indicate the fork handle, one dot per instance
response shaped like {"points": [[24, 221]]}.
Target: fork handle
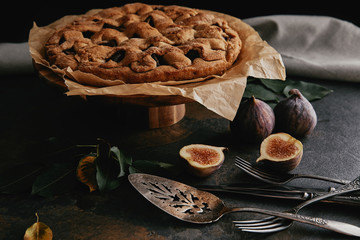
{"points": [[334, 180], [336, 226]]}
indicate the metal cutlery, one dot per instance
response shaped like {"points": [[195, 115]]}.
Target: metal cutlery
{"points": [[282, 192], [278, 178], [277, 224], [192, 205]]}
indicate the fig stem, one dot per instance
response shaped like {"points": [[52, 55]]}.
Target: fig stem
{"points": [[37, 217], [37, 225], [295, 92]]}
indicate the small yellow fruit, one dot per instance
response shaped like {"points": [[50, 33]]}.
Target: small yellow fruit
{"points": [[281, 152], [203, 159], [38, 231]]}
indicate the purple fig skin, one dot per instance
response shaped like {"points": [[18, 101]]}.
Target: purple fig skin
{"points": [[254, 121], [295, 115]]}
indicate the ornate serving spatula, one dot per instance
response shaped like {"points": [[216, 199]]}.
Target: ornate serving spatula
{"points": [[192, 205]]}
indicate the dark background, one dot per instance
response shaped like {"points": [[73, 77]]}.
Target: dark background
{"points": [[32, 114], [17, 18]]}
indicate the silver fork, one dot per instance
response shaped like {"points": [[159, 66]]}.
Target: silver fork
{"points": [[278, 178], [275, 224]]}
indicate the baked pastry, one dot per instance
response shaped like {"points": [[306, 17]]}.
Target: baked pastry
{"points": [[140, 43]]}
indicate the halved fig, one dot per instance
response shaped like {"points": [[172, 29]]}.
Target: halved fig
{"points": [[203, 159], [280, 152]]}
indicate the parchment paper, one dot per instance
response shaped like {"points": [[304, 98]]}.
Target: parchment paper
{"points": [[221, 94]]}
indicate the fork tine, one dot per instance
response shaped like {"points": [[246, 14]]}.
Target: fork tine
{"points": [[255, 221], [239, 159], [245, 164], [265, 225], [249, 165], [261, 222], [276, 224], [255, 172], [248, 170], [267, 230]]}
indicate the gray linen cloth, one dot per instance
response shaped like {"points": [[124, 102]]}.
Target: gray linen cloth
{"points": [[311, 46], [15, 59]]}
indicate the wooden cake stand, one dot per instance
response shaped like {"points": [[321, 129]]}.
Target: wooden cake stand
{"points": [[160, 111]]}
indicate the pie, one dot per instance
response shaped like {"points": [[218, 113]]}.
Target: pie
{"points": [[139, 43]]}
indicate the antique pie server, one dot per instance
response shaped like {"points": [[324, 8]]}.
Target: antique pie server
{"points": [[196, 206]]}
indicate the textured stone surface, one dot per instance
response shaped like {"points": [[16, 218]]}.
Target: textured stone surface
{"points": [[31, 113]]}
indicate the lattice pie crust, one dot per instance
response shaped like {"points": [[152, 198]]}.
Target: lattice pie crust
{"points": [[140, 43]]}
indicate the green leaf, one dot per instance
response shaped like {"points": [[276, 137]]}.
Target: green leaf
{"points": [[252, 79], [133, 170], [110, 166], [260, 92], [311, 91], [107, 172], [271, 90], [107, 179], [103, 149], [123, 159], [57, 179], [276, 86]]}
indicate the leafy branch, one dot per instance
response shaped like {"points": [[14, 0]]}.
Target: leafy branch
{"points": [[101, 167]]}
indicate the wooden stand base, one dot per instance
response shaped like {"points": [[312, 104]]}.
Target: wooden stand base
{"points": [[164, 116]]}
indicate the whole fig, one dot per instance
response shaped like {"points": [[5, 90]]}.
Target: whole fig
{"points": [[254, 121], [295, 115]]}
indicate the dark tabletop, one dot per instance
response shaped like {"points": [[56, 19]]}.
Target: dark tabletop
{"points": [[33, 113]]}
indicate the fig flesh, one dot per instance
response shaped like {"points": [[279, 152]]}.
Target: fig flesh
{"points": [[280, 152], [254, 121], [295, 115], [202, 159]]}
